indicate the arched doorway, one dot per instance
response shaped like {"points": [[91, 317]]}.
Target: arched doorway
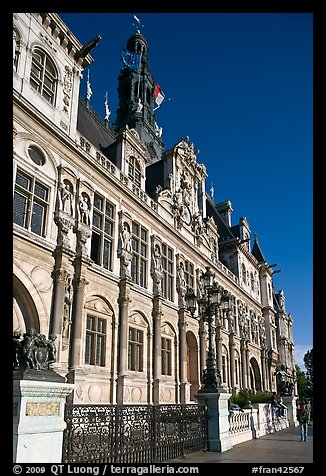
{"points": [[255, 376], [192, 364], [25, 314]]}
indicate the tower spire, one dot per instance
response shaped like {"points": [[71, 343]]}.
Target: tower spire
{"points": [[136, 96]]}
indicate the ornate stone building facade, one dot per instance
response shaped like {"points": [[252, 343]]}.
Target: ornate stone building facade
{"points": [[110, 231]]}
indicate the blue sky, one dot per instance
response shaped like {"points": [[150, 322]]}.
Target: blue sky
{"points": [[240, 86]]}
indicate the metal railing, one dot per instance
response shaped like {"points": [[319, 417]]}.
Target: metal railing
{"points": [[133, 433]]}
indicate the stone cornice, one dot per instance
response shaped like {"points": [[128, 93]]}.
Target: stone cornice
{"points": [[61, 35]]}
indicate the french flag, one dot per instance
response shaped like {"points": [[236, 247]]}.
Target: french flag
{"points": [[158, 95]]}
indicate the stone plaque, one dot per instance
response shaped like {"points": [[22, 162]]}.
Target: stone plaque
{"points": [[42, 409]]}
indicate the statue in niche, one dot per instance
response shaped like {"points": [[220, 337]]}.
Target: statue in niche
{"points": [[125, 239], [66, 197], [157, 269], [83, 208], [181, 275], [125, 249], [139, 106], [157, 259]]}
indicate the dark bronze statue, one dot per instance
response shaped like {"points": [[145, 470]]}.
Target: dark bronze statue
{"points": [[33, 351]]}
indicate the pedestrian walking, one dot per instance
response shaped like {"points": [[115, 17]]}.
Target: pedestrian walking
{"points": [[303, 418]]}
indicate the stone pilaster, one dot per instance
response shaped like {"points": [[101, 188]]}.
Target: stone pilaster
{"points": [[124, 301], [157, 314], [76, 340], [232, 359]]}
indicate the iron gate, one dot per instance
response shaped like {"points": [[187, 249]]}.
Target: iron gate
{"points": [[132, 433]]}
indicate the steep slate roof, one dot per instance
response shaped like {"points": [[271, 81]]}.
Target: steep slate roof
{"points": [[223, 229], [92, 127], [257, 252]]}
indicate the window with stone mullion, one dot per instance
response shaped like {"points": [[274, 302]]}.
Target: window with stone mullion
{"points": [[139, 255], [167, 265], [102, 242], [30, 205]]}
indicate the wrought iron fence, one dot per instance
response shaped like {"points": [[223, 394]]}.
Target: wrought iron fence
{"points": [[132, 433]]}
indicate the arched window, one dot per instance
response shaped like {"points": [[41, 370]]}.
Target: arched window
{"points": [[43, 75], [134, 171]]}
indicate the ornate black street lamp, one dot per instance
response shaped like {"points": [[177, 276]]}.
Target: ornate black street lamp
{"points": [[213, 297]]}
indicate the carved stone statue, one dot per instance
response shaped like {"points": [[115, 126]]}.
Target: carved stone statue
{"points": [[139, 106], [83, 208], [66, 197], [125, 249], [157, 258]]}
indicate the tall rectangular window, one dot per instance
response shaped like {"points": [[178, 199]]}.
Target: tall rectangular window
{"points": [[135, 349], [95, 341], [30, 205], [166, 356], [189, 273], [102, 243], [167, 265], [139, 255]]}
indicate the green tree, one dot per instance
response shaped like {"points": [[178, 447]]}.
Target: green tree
{"points": [[308, 362], [301, 382]]}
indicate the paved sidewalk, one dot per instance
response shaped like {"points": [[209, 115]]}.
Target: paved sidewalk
{"points": [[283, 446]]}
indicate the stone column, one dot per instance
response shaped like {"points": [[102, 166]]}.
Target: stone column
{"points": [[39, 399], [247, 366], [124, 301], [202, 349], [263, 369], [243, 365], [157, 314], [184, 386], [232, 359], [61, 309], [76, 341], [219, 341], [218, 420]]}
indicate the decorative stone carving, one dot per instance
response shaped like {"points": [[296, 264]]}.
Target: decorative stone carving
{"points": [[84, 207], [33, 351], [125, 249], [157, 269]]}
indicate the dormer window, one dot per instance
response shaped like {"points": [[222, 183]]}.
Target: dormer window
{"points": [[43, 75], [134, 171]]}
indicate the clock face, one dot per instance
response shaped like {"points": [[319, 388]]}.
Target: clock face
{"points": [[186, 216]]}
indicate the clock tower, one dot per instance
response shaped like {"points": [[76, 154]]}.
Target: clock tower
{"points": [[136, 99]]}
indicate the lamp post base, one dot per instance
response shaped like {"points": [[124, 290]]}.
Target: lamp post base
{"points": [[218, 419]]}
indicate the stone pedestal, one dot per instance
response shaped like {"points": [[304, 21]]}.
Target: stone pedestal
{"points": [[218, 422], [290, 402], [38, 417]]}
